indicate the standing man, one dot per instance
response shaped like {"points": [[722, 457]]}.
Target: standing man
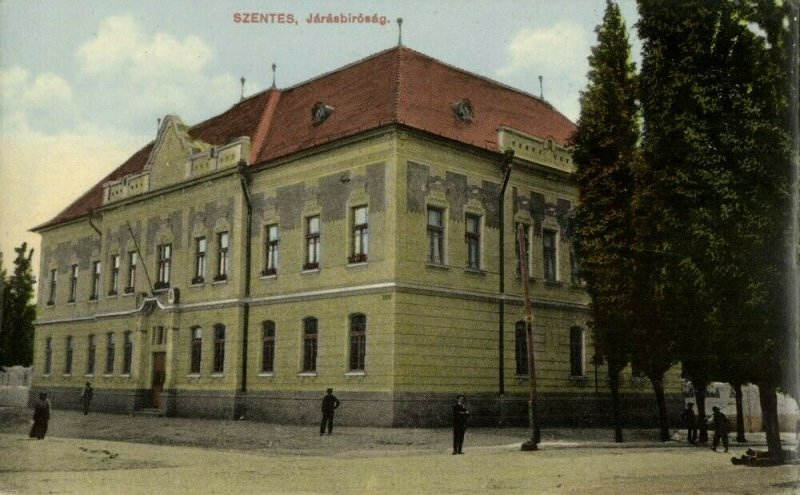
{"points": [[690, 420], [329, 404], [720, 422], [460, 416], [86, 397]]}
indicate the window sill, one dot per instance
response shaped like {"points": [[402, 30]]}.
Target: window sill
{"points": [[89, 375], [112, 295], [359, 264], [579, 378], [475, 272], [224, 281], [108, 375], [129, 291], [356, 373], [553, 283], [436, 266], [125, 375], [270, 276], [193, 375], [50, 305], [266, 374], [309, 271], [307, 373], [67, 375]]}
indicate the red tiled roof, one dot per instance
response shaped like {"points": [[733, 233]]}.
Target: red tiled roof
{"points": [[396, 86]]}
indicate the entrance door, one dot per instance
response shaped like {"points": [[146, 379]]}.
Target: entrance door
{"points": [[159, 367]]}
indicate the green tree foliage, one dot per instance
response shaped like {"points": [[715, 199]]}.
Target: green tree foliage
{"points": [[19, 311], [714, 189], [605, 151]]}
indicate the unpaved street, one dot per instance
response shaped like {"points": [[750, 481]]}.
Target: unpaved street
{"points": [[294, 459]]}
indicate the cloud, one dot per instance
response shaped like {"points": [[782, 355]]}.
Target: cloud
{"points": [[44, 101]]}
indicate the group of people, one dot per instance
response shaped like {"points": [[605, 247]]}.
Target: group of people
{"points": [[41, 411], [719, 422]]}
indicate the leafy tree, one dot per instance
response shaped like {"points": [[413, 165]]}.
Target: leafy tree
{"points": [[605, 150], [716, 153], [19, 312]]}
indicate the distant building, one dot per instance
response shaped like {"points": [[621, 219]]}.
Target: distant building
{"points": [[341, 233]]}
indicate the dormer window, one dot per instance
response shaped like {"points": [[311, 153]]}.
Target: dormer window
{"points": [[320, 112], [463, 110]]}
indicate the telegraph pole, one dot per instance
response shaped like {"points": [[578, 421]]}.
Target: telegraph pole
{"points": [[533, 442]]}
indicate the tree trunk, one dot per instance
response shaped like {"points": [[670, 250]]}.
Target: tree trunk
{"points": [[739, 413], [700, 398], [663, 424], [613, 379], [769, 418]]}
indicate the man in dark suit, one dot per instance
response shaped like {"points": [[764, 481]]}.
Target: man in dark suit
{"points": [[329, 404], [460, 416]]}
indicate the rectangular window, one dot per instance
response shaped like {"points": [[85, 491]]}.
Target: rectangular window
{"points": [[526, 231], [223, 241], [219, 349], [312, 243], [268, 348], [200, 246], [521, 347], [360, 232], [73, 283], [48, 356], [473, 238], [272, 251], [197, 350], [68, 353], [51, 299], [127, 356], [549, 255], [110, 348], [576, 351], [164, 265], [114, 285], [96, 267], [358, 342], [436, 235], [91, 352], [133, 260], [310, 345]]}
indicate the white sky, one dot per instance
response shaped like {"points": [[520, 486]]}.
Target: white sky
{"points": [[82, 83]]}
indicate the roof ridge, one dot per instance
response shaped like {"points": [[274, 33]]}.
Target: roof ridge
{"points": [[397, 87]]}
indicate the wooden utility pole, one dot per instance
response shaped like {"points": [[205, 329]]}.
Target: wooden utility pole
{"points": [[533, 442]]}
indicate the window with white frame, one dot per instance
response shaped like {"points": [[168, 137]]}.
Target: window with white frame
{"points": [[219, 348], [472, 236], [312, 243], [271, 250], [223, 247], [200, 247], [360, 235], [268, 347], [436, 235], [133, 260], [164, 265], [196, 350], [51, 299], [114, 281], [73, 283], [96, 268], [358, 341], [549, 255], [310, 344]]}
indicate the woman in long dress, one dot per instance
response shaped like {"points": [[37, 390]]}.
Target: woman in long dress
{"points": [[41, 415]]}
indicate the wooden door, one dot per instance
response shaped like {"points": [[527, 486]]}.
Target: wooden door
{"points": [[159, 370]]}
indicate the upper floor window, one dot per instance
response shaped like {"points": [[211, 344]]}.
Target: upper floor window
{"points": [[127, 354], [196, 350], [358, 342], [114, 282], [526, 232], [164, 265], [223, 245], [271, 250], [576, 351], [521, 347], [268, 347], [310, 344], [574, 266], [473, 238], [91, 352], [51, 299], [219, 348], [96, 267], [312, 243], [110, 349], [73, 283], [549, 255], [48, 355], [360, 233], [200, 245], [133, 260], [68, 353], [436, 235]]}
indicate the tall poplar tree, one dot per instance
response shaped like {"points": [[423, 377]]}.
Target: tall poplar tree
{"points": [[605, 151], [19, 312]]}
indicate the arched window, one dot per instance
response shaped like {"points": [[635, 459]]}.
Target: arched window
{"points": [[576, 351], [268, 347], [196, 350], [309, 344], [521, 347], [219, 348], [358, 341]]}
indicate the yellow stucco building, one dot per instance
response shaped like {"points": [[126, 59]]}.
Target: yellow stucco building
{"points": [[345, 232]]}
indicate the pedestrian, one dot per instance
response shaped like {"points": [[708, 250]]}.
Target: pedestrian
{"points": [[86, 397], [329, 404], [460, 416], [41, 416], [690, 420], [720, 423]]}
